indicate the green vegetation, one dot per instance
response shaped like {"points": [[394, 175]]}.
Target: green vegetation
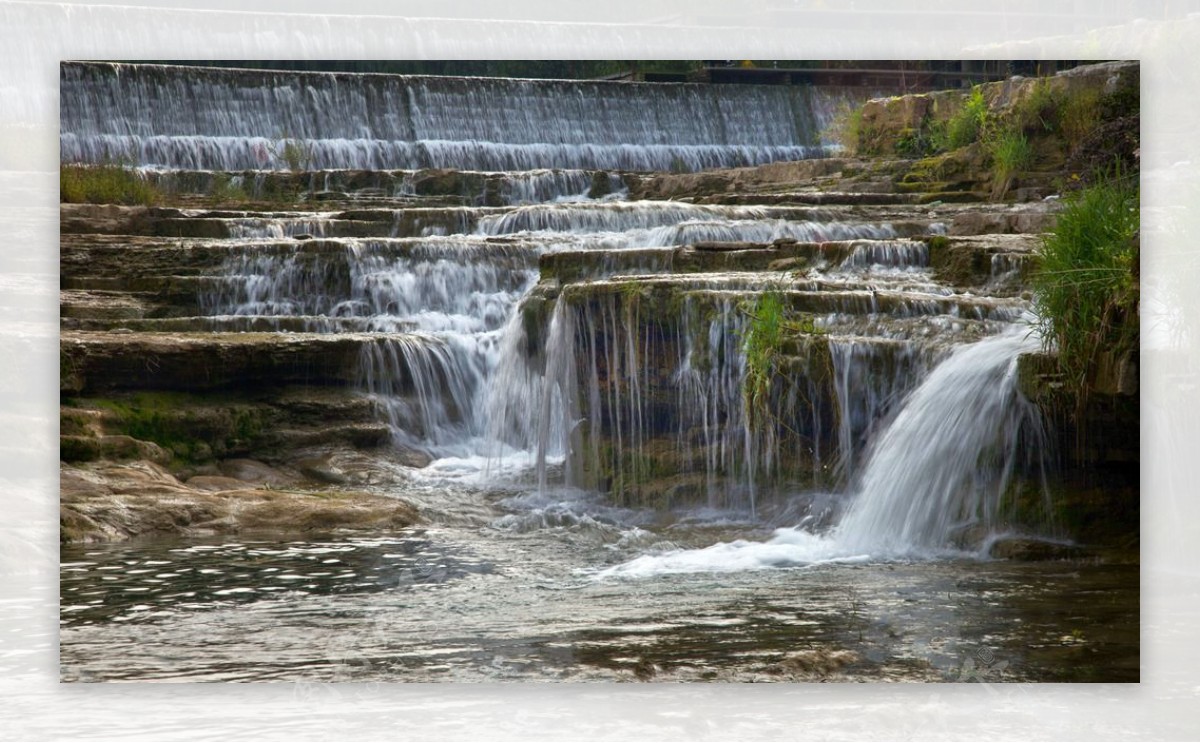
{"points": [[846, 127], [226, 188], [768, 332], [1039, 111], [108, 183], [761, 344], [1010, 152], [965, 126], [1086, 284], [927, 139], [184, 425], [297, 154], [1079, 115]]}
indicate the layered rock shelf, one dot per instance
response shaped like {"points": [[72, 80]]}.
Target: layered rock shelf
{"points": [[289, 318]]}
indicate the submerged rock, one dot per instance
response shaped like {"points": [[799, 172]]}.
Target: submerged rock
{"points": [[1031, 549]]}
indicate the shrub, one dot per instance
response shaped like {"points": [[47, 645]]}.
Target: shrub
{"points": [[297, 154], [108, 183], [226, 188], [845, 128], [926, 139], [1086, 282]]}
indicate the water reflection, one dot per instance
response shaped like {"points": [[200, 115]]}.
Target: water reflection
{"points": [[140, 581]]}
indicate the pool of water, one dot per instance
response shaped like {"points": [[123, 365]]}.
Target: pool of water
{"points": [[537, 588]]}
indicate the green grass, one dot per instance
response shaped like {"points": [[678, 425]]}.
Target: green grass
{"points": [[1040, 110], [846, 127], [1086, 283], [966, 125], [1079, 115], [109, 183], [1011, 153], [226, 188], [772, 327], [761, 343]]}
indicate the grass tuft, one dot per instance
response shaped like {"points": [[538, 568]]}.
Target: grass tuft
{"points": [[1086, 283], [966, 125], [1011, 153], [108, 183]]}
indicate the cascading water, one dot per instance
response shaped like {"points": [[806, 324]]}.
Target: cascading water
{"points": [[941, 467], [581, 388], [608, 376], [198, 119], [944, 463]]}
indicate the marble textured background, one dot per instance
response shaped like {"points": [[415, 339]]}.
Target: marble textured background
{"points": [[34, 36]]}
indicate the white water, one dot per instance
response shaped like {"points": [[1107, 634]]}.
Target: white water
{"points": [[943, 464], [941, 467], [208, 119]]}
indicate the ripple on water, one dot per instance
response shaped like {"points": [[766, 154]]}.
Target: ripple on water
{"points": [[139, 582]]}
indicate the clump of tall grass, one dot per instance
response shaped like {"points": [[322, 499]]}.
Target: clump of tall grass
{"points": [[1086, 284], [771, 326], [1011, 152], [107, 183], [1040, 111], [1079, 115], [760, 343], [969, 122], [845, 127]]}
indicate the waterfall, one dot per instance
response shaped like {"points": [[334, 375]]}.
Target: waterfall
{"points": [[625, 367], [944, 463], [941, 468], [213, 119]]}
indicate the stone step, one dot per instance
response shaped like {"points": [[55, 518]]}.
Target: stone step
{"points": [[114, 263], [94, 362], [471, 187], [778, 256], [239, 324], [664, 296]]}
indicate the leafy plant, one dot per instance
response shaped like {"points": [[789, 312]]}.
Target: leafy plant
{"points": [[297, 154], [845, 128], [1086, 282], [926, 139], [761, 343], [771, 326], [226, 188]]}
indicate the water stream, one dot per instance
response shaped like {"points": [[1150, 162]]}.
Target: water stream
{"points": [[845, 537]]}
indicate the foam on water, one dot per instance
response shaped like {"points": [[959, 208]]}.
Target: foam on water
{"points": [[788, 548]]}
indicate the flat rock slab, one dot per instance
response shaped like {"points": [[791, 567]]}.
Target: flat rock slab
{"points": [[105, 361], [106, 502]]}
